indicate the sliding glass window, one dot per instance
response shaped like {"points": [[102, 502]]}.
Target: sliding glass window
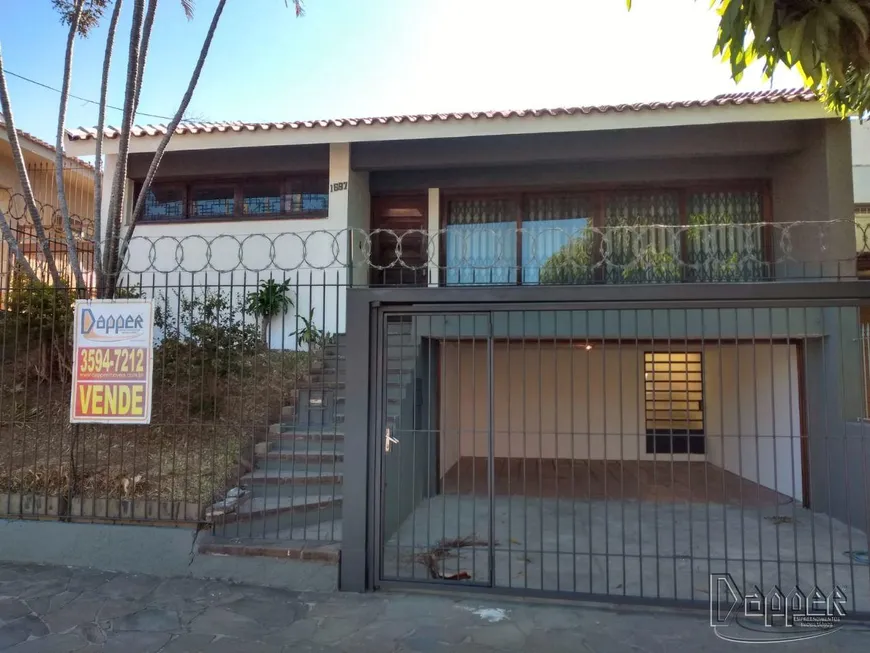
{"points": [[481, 242], [557, 239]]}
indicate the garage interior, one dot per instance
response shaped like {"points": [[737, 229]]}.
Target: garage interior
{"points": [[632, 467]]}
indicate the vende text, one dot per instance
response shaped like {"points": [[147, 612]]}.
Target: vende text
{"points": [[110, 399]]}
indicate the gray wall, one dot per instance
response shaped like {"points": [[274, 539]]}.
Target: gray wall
{"points": [[676, 324], [720, 140], [838, 450], [235, 162], [815, 185], [633, 171]]}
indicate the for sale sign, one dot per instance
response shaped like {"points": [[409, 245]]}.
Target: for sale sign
{"points": [[113, 361]]}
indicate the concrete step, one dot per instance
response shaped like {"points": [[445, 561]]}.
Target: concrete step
{"points": [[289, 476], [289, 431], [334, 363], [259, 508], [327, 381], [304, 455]]}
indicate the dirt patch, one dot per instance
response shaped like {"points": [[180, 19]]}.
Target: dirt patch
{"points": [[206, 416]]}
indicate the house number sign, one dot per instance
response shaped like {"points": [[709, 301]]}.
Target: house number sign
{"points": [[337, 186]]}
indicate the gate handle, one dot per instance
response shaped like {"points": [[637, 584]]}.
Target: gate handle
{"points": [[389, 441]]}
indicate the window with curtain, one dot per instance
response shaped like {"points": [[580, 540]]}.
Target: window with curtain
{"points": [[557, 241], [642, 237], [481, 242], [725, 236]]}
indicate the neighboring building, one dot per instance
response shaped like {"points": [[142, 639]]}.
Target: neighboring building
{"points": [[752, 187], [39, 158]]}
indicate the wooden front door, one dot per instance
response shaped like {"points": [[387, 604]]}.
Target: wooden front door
{"points": [[399, 242]]}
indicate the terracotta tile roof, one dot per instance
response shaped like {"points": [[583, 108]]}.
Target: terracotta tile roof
{"points": [[728, 99], [38, 141]]}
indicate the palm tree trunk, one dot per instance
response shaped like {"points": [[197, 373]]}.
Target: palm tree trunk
{"points": [[23, 177], [116, 203], [98, 163], [143, 49], [12, 242], [170, 130], [72, 250]]}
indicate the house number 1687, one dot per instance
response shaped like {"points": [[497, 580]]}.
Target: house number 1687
{"points": [[341, 185]]}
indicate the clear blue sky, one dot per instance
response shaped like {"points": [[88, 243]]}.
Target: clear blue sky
{"points": [[353, 58]]}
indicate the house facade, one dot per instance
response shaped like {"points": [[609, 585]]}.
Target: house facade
{"points": [[540, 296], [40, 161]]}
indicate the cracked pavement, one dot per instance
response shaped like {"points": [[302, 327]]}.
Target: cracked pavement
{"points": [[61, 610]]}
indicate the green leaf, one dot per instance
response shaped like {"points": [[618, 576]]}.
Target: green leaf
{"points": [[761, 28], [850, 10], [791, 37]]}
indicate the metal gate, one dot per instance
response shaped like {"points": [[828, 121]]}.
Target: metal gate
{"points": [[601, 450]]}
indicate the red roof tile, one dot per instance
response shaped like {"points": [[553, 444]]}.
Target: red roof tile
{"points": [[728, 99], [38, 141]]}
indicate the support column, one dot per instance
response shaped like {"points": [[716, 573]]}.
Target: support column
{"points": [[434, 227], [358, 483]]}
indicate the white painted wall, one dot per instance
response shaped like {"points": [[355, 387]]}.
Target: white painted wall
{"points": [[233, 257], [861, 161], [753, 426], [558, 401]]}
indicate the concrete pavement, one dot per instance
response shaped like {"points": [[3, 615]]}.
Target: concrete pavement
{"points": [[61, 610]]}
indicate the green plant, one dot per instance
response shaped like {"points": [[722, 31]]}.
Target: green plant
{"points": [[309, 334], [572, 264], [39, 319], [267, 301], [207, 328]]}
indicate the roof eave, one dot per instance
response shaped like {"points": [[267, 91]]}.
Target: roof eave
{"points": [[325, 132]]}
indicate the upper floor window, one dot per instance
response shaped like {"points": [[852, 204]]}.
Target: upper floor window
{"points": [[695, 233], [301, 196]]}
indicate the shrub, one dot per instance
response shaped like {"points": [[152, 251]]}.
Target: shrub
{"points": [[572, 264]]}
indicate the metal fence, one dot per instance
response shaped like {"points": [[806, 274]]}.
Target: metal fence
{"points": [[632, 444], [618, 446]]}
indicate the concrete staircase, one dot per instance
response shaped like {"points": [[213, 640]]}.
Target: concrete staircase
{"points": [[294, 491]]}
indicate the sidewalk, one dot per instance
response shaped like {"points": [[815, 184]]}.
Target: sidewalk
{"points": [[59, 610]]}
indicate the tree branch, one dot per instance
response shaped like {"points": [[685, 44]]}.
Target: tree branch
{"points": [[161, 148], [119, 184], [72, 250], [98, 163], [24, 178], [143, 49], [12, 241]]}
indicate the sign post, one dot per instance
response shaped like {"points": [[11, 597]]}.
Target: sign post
{"points": [[114, 358]]}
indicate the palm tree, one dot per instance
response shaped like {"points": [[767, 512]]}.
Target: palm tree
{"points": [[81, 16], [269, 300]]}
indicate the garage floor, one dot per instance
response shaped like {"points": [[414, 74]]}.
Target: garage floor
{"points": [[631, 548], [609, 479]]}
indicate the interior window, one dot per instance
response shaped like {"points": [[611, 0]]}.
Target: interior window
{"points": [[261, 197], [164, 202], [212, 201], [674, 389]]}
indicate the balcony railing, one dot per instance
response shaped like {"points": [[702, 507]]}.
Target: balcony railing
{"points": [[710, 253]]}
